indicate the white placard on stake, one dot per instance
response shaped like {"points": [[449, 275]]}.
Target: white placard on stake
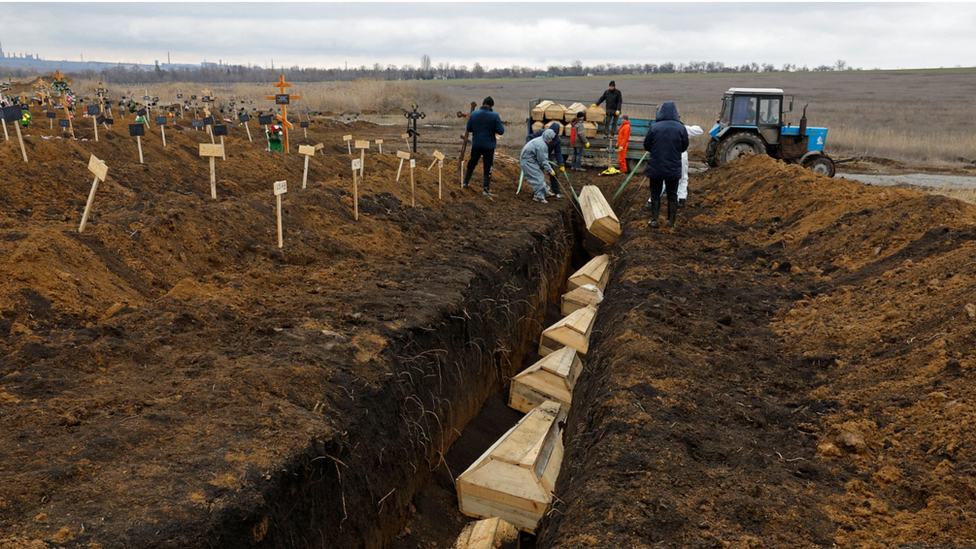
{"points": [[280, 188], [348, 140], [357, 166], [100, 171], [379, 142], [402, 156], [413, 186]]}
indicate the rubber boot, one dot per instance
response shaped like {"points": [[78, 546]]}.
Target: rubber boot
{"points": [[672, 213], [655, 212], [467, 176]]}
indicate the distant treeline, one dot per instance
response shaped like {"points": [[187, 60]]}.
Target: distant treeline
{"points": [[426, 70]]}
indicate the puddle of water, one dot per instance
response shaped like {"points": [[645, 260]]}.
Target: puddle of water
{"points": [[916, 179]]}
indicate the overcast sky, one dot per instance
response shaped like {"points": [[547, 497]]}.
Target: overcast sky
{"points": [[865, 35]]}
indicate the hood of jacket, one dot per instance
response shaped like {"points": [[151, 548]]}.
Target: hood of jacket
{"points": [[548, 135], [668, 111]]}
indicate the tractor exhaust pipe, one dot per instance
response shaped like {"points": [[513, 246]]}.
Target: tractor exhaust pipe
{"points": [[803, 121]]}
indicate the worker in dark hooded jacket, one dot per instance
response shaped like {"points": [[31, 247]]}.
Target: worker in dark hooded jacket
{"points": [[483, 124], [665, 142], [615, 101], [555, 155]]}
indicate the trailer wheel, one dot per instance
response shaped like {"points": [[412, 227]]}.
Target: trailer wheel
{"points": [[738, 145], [821, 164], [711, 154]]}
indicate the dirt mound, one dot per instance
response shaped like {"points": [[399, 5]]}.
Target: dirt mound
{"points": [[171, 378], [787, 368]]}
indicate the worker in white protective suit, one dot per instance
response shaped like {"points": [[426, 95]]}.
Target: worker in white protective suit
{"points": [[693, 131], [534, 160]]}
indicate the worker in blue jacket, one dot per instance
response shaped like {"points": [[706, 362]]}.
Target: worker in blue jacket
{"points": [[483, 124], [665, 142], [555, 154]]}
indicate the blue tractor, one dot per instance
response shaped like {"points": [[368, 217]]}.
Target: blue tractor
{"points": [[752, 122]]}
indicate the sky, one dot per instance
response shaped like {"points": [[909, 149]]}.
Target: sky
{"points": [[497, 34]]}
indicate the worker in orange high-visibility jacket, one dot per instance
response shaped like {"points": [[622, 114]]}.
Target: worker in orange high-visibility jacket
{"points": [[623, 139]]}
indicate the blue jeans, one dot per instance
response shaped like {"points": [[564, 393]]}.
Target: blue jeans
{"points": [[577, 157]]}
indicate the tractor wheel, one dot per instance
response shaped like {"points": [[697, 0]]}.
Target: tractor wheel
{"points": [[738, 145], [821, 164], [711, 154]]}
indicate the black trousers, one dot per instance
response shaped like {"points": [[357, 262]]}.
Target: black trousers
{"points": [[488, 155], [670, 186]]}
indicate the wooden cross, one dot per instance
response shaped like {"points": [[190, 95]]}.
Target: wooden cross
{"points": [[283, 117]]}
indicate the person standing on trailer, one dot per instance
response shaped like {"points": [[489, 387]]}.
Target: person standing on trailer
{"points": [[534, 160], [555, 154], [483, 124], [623, 140], [615, 101], [665, 142], [693, 131]]}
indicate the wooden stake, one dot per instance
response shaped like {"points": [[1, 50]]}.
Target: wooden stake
{"points": [[356, 168], [248, 128], [162, 129], [212, 151], [348, 140], [100, 170], [223, 150], [380, 143], [95, 124], [20, 138], [213, 140], [413, 187], [280, 188], [402, 156], [6, 135], [308, 151], [440, 184], [139, 142], [406, 139], [362, 146], [461, 182]]}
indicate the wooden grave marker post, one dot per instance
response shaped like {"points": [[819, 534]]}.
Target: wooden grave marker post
{"points": [[221, 130], [13, 114], [64, 101], [379, 142], [402, 156], [362, 146], [439, 159], [211, 150], [308, 151], [244, 118], [406, 139], [280, 188], [348, 140], [93, 112], [357, 166], [6, 136], [413, 187], [137, 131], [161, 122], [283, 99], [100, 171]]}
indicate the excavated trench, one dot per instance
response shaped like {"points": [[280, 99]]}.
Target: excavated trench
{"points": [[358, 489]]}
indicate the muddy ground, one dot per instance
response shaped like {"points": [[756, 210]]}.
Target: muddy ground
{"points": [[790, 367]]}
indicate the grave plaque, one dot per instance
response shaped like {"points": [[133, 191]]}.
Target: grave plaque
{"points": [[64, 123], [208, 121], [244, 117], [303, 124], [100, 120], [264, 119], [160, 120], [220, 129], [51, 114], [137, 130], [282, 99], [93, 110], [141, 112], [13, 113]]}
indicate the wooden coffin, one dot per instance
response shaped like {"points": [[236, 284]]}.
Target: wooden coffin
{"points": [[572, 331], [551, 378], [539, 111], [493, 533], [590, 128], [548, 125], [555, 112], [587, 295], [600, 220], [513, 480], [536, 126], [596, 114], [596, 272], [571, 111]]}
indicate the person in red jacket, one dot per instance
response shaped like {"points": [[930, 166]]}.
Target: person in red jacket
{"points": [[623, 139]]}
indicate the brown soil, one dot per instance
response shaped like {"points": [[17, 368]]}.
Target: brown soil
{"points": [[170, 378], [790, 367]]}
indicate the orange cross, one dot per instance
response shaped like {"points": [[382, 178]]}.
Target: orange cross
{"points": [[283, 117]]}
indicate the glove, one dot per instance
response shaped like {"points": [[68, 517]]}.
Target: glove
{"points": [[562, 168], [592, 104], [587, 145], [617, 113], [552, 173]]}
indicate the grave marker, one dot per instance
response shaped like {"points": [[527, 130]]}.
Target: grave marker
{"points": [[51, 115], [348, 140], [413, 187], [211, 150], [100, 171], [439, 158], [161, 122], [357, 166], [13, 114], [137, 131], [280, 188], [283, 99], [406, 139], [362, 146], [379, 142], [244, 117], [221, 130], [402, 156], [304, 126], [93, 111], [308, 151]]}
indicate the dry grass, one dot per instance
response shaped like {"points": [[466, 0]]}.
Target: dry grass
{"points": [[911, 116]]}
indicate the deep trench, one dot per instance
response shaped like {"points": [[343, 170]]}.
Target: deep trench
{"points": [[357, 489]]}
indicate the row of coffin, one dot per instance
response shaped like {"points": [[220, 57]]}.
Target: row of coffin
{"points": [[511, 484]]}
